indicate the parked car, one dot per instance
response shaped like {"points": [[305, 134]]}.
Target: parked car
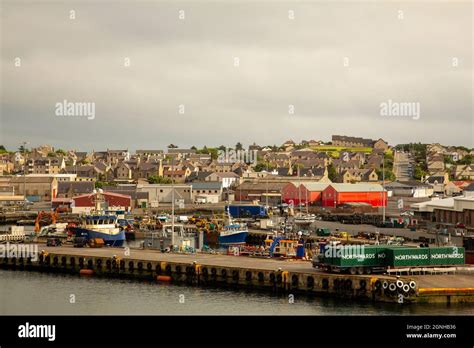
{"points": [[53, 242], [80, 242]]}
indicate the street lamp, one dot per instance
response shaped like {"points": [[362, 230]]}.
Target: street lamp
{"points": [[24, 143], [383, 186]]}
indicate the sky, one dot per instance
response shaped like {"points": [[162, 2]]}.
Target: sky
{"points": [[217, 73]]}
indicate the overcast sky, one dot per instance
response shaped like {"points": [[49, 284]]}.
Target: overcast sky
{"points": [[335, 62]]}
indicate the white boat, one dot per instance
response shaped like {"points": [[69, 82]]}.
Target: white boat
{"points": [[305, 219]]}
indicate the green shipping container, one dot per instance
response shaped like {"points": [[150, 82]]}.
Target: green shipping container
{"points": [[398, 257], [355, 256], [447, 256]]}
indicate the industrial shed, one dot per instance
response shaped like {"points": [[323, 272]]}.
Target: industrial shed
{"points": [[306, 192], [337, 194], [114, 201]]}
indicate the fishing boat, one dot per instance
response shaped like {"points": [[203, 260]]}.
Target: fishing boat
{"points": [[173, 237], [303, 219], [100, 224], [233, 232]]}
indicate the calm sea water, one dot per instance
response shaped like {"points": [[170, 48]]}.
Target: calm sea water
{"points": [[31, 293]]}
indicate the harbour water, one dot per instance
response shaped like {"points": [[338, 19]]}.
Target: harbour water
{"points": [[32, 293]]}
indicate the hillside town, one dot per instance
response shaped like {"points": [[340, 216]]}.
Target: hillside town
{"points": [[344, 171]]}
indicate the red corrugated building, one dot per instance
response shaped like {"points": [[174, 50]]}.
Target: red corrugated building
{"points": [[308, 192], [337, 194], [112, 200]]}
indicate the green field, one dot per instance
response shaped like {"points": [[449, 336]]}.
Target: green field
{"points": [[334, 151]]}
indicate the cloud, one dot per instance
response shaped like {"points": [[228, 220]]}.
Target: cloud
{"points": [[190, 62]]}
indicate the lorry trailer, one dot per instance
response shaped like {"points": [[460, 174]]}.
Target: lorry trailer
{"points": [[368, 259], [247, 211]]}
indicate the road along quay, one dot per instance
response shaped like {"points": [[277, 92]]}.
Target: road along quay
{"points": [[227, 271]]}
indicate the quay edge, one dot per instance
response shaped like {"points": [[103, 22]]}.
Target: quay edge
{"points": [[376, 288]]}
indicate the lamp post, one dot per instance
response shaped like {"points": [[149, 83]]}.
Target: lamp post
{"points": [[172, 202], [24, 143], [383, 186], [266, 188]]}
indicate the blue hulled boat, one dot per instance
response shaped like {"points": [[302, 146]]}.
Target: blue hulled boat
{"points": [[233, 233], [99, 224]]}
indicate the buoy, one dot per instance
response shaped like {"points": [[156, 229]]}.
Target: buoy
{"points": [[86, 272], [163, 278]]}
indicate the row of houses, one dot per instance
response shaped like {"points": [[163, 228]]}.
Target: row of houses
{"points": [[441, 160]]}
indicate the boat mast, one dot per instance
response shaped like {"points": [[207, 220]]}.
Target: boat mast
{"points": [[299, 190], [306, 200]]}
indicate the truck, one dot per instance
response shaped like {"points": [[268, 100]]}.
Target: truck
{"points": [[364, 259], [247, 211], [13, 234]]}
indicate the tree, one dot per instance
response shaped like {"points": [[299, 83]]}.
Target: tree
{"points": [[466, 160], [238, 146], [193, 147], [155, 179], [214, 153], [61, 152], [267, 166], [389, 175], [51, 154], [419, 172], [332, 174], [172, 146], [2, 148], [22, 149]]}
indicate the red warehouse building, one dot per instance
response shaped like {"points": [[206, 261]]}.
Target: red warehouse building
{"points": [[308, 192], [114, 201], [337, 194]]}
